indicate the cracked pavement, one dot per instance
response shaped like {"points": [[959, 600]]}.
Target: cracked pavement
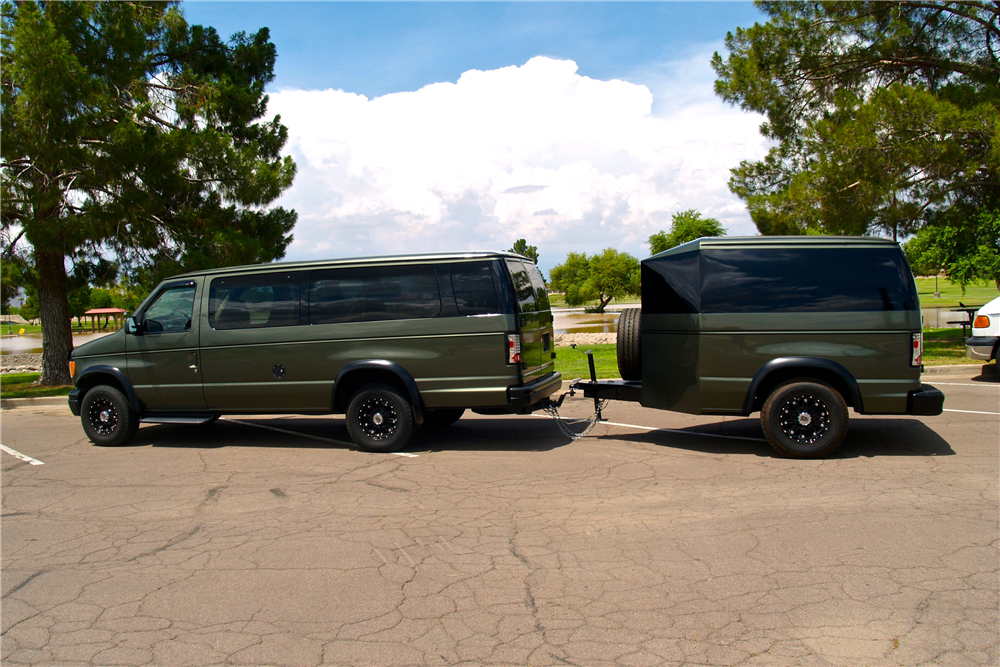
{"points": [[502, 543]]}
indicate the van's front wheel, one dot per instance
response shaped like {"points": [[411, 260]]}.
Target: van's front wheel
{"points": [[107, 417], [380, 419], [804, 419]]}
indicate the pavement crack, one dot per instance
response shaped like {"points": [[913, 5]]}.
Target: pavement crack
{"points": [[25, 582], [173, 541]]}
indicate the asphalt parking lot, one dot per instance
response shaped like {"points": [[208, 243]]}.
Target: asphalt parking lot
{"points": [[661, 539]]}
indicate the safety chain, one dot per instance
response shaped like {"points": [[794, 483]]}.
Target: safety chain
{"points": [[564, 424]]}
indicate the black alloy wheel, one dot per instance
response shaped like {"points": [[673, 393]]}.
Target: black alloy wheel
{"points": [[804, 418], [380, 419], [107, 417]]}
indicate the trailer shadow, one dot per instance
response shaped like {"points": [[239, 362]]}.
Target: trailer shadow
{"points": [[866, 438]]}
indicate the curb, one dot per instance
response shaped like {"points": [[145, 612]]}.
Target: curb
{"points": [[10, 403], [983, 369]]}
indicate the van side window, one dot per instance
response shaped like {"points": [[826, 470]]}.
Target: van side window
{"points": [[373, 293], [171, 311], [523, 288], [255, 301], [805, 280], [475, 293], [538, 284]]}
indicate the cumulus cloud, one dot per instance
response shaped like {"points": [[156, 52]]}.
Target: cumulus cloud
{"points": [[537, 151]]}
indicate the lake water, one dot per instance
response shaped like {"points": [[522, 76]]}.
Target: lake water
{"points": [[33, 344]]}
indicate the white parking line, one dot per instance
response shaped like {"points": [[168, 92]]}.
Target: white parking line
{"points": [[18, 455], [974, 412], [307, 435], [969, 384]]}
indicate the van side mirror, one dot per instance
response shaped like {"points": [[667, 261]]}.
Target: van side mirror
{"points": [[135, 327]]}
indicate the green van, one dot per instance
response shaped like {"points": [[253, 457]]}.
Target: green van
{"points": [[390, 342], [799, 328]]}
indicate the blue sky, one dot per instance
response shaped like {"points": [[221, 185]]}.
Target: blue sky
{"points": [[611, 127]]}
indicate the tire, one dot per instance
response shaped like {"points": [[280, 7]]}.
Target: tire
{"points": [[630, 344], [380, 419], [442, 417], [107, 417], [804, 419]]}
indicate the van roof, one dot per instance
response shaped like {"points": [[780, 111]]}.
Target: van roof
{"points": [[780, 242], [355, 261]]}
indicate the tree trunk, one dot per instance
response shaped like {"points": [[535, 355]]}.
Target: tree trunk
{"points": [[57, 337]]}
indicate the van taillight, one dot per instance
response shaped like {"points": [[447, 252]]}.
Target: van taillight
{"points": [[981, 322], [918, 348], [513, 348]]}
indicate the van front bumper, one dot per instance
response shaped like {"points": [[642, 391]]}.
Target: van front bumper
{"points": [[527, 395], [74, 402], [927, 401], [980, 348]]}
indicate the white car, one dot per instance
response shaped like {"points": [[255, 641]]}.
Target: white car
{"points": [[985, 341]]}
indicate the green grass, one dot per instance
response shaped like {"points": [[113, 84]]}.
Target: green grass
{"points": [[944, 347], [21, 385], [573, 363], [32, 329], [977, 294]]}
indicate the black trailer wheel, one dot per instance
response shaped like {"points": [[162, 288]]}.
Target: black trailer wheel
{"points": [[442, 417], [804, 419], [380, 419], [630, 344], [107, 417]]}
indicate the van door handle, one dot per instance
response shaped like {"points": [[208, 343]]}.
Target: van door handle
{"points": [[194, 359]]}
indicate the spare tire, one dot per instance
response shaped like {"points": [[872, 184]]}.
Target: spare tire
{"points": [[630, 344]]}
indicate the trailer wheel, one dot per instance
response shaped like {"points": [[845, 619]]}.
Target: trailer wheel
{"points": [[630, 344], [804, 419]]}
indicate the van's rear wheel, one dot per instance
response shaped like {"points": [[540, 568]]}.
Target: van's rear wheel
{"points": [[804, 419], [380, 419], [107, 417], [630, 344]]}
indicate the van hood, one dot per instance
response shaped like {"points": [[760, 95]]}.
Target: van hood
{"points": [[110, 344]]}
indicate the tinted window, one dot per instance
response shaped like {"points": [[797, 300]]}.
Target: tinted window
{"points": [[805, 280], [523, 289], [670, 284], [475, 293], [249, 302], [538, 285], [171, 311], [373, 293]]}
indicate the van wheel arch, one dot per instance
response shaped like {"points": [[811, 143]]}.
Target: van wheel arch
{"points": [[783, 369], [112, 377], [358, 374]]}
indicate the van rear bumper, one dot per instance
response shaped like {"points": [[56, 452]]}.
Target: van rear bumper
{"points": [[526, 395], [927, 401]]}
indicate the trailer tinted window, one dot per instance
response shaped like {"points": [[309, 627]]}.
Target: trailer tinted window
{"points": [[741, 280], [523, 289], [250, 302], [475, 293], [373, 293], [670, 284]]}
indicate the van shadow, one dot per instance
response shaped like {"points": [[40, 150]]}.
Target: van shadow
{"points": [[520, 434], [866, 438]]}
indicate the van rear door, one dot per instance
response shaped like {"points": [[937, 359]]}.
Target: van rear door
{"points": [[534, 318]]}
